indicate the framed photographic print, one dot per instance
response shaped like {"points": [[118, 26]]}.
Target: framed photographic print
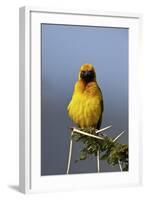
{"points": [[79, 99]]}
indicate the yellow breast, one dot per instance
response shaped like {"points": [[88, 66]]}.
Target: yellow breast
{"points": [[85, 107]]}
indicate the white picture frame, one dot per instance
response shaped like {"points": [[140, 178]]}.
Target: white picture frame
{"points": [[30, 178]]}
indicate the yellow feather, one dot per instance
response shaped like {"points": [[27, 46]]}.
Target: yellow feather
{"points": [[85, 107]]}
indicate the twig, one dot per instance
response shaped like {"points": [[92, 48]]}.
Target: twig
{"points": [[87, 134], [118, 136], [70, 154], [103, 129], [120, 166], [98, 162]]}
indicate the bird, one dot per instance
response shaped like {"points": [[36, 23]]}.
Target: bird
{"points": [[86, 105]]}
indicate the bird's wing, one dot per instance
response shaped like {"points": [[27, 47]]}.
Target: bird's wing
{"points": [[102, 104], [100, 119], [102, 109]]}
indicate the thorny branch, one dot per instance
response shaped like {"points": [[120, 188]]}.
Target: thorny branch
{"points": [[102, 146]]}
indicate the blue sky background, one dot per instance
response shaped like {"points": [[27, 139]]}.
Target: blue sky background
{"points": [[64, 49]]}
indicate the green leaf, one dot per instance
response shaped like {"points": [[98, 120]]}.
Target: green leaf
{"points": [[83, 155], [76, 137]]}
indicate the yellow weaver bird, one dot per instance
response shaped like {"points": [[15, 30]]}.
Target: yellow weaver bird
{"points": [[86, 105]]}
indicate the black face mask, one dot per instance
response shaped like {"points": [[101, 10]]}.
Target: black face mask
{"points": [[87, 75]]}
